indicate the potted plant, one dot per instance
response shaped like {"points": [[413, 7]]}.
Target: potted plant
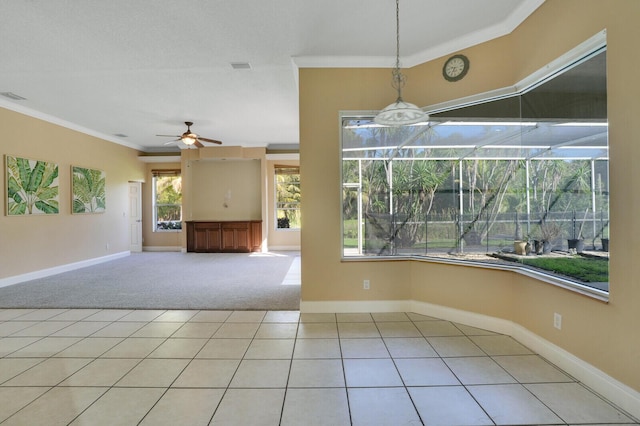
{"points": [[521, 247], [577, 242], [550, 232], [283, 222], [604, 239], [519, 244], [538, 246]]}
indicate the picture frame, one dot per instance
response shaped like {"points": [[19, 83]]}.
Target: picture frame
{"points": [[32, 187], [88, 190]]}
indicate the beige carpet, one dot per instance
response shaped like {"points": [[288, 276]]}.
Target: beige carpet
{"points": [[169, 281]]}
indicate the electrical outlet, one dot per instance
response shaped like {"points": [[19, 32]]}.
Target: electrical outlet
{"points": [[557, 321], [366, 284]]}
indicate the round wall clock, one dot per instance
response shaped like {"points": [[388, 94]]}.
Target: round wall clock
{"points": [[455, 68]]}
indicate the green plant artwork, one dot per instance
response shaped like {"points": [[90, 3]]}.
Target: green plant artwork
{"points": [[88, 188], [32, 187]]}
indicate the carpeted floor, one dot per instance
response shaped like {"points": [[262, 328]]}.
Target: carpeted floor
{"points": [[152, 280]]}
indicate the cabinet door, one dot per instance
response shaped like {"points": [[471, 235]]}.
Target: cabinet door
{"points": [[235, 237], [256, 236], [242, 240], [200, 239], [190, 237], [214, 239], [206, 237], [228, 239]]}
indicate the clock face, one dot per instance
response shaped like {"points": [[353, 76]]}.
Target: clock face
{"points": [[455, 68]]}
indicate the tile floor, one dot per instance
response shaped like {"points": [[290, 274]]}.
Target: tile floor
{"points": [[156, 367]]}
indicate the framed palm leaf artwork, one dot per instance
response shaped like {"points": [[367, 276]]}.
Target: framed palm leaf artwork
{"points": [[32, 187], [88, 188]]}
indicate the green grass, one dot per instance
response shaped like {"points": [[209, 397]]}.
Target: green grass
{"points": [[585, 269], [580, 268]]}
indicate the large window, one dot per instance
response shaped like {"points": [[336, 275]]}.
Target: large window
{"points": [[288, 197], [481, 182], [167, 200]]}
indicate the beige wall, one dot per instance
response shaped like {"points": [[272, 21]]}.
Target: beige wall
{"points": [[29, 244], [604, 335], [225, 190]]}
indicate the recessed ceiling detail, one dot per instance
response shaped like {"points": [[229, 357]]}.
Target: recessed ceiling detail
{"points": [[241, 65]]}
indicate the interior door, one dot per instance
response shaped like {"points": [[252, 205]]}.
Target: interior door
{"points": [[135, 216]]}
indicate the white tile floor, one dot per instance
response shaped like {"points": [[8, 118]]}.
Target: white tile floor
{"points": [[156, 367]]}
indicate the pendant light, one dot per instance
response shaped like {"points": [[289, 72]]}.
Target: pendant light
{"points": [[399, 113]]}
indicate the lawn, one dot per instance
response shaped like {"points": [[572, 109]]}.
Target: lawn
{"points": [[584, 269]]}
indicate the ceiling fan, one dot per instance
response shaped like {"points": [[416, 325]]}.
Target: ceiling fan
{"points": [[189, 138]]}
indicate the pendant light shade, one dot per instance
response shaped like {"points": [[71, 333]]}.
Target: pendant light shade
{"points": [[399, 113]]}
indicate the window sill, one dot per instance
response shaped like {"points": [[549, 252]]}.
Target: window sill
{"points": [[555, 280], [167, 230]]}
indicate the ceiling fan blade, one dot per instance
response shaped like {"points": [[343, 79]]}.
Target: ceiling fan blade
{"points": [[172, 142], [210, 140], [189, 138]]}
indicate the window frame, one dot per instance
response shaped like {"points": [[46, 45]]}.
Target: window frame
{"points": [[155, 175], [284, 170]]}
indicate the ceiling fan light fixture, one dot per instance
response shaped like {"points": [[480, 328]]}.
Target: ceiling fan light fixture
{"points": [[399, 113], [188, 139]]}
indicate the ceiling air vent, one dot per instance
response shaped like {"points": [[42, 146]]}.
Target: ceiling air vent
{"points": [[13, 96], [241, 65]]}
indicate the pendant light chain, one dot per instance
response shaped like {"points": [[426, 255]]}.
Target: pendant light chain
{"points": [[399, 113], [398, 80], [397, 34]]}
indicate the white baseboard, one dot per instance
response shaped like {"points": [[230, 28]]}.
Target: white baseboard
{"points": [[485, 322], [42, 273], [162, 248], [623, 396]]}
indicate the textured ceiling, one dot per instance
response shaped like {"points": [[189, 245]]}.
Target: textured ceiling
{"points": [[141, 68]]}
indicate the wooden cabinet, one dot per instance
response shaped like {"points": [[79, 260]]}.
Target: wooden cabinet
{"points": [[227, 237], [205, 237], [235, 237]]}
